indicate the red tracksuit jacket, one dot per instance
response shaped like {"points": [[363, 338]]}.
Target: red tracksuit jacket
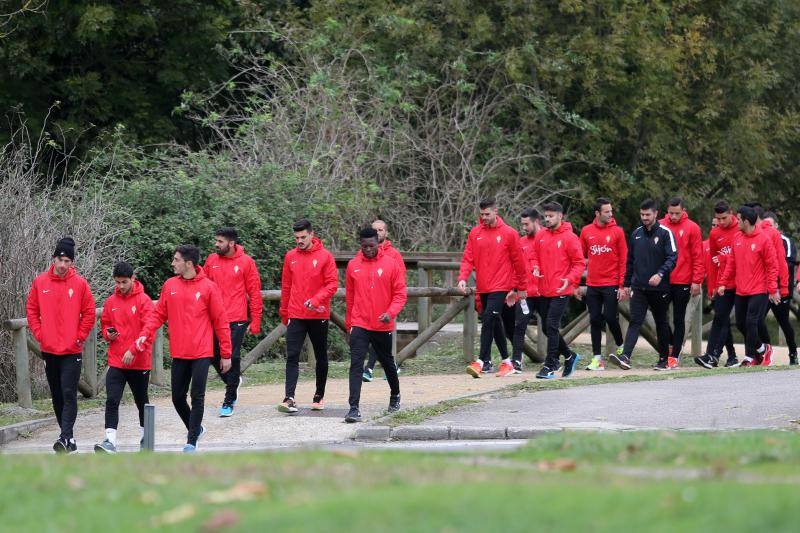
{"points": [[720, 242], [558, 255], [752, 264], [60, 311], [127, 313], [373, 287], [780, 256], [494, 254], [526, 244], [238, 279], [606, 249], [689, 240], [394, 253], [308, 275], [195, 311]]}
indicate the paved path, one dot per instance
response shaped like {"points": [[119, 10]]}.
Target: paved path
{"points": [[734, 401]]}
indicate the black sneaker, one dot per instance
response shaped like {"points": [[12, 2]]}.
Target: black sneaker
{"points": [[792, 358], [72, 446], [394, 404], [546, 373], [60, 446], [487, 368], [517, 367], [661, 364], [705, 361], [569, 364], [732, 361], [353, 415], [622, 361]]}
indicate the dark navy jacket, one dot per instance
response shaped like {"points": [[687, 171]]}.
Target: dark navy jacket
{"points": [[649, 253]]}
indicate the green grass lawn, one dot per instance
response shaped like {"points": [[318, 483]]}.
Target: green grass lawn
{"points": [[740, 481]]}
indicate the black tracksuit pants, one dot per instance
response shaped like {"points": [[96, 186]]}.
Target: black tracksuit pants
{"points": [[521, 321], [360, 341], [497, 322], [721, 324], [296, 331], [749, 314], [116, 378], [63, 373], [184, 373], [551, 311], [658, 303], [231, 377], [603, 307], [679, 296], [782, 312]]}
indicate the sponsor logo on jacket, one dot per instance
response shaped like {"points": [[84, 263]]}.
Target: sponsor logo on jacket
{"points": [[599, 249]]}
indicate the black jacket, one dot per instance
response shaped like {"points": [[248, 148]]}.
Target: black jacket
{"points": [[649, 253], [791, 258]]}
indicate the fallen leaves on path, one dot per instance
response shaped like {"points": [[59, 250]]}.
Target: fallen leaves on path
{"points": [[175, 516], [241, 492], [222, 519]]}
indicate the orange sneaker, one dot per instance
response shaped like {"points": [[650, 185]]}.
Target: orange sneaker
{"points": [[673, 362], [505, 369], [474, 369], [317, 404]]}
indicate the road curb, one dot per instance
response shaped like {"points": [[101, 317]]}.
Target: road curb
{"points": [[422, 433], [12, 432]]}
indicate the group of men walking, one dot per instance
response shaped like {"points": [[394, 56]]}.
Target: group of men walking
{"points": [[747, 264], [748, 267]]}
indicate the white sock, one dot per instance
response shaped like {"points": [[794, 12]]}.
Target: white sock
{"points": [[762, 349], [598, 357], [111, 435], [480, 362], [506, 360]]}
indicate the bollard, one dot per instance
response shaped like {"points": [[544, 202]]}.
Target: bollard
{"points": [[149, 427]]}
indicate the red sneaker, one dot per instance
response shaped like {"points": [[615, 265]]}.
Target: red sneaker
{"points": [[474, 369], [767, 361], [746, 361], [506, 368], [673, 362]]}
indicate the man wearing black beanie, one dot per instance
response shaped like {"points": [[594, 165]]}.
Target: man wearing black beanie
{"points": [[61, 313]]}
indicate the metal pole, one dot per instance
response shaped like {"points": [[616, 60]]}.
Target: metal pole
{"points": [[697, 327], [158, 358], [149, 443], [423, 316]]}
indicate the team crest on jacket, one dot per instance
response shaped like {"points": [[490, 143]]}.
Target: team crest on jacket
{"points": [[235, 269], [655, 240], [608, 238], [133, 309], [314, 262], [197, 295], [558, 244], [680, 233], [70, 292], [380, 272], [753, 247], [498, 239]]}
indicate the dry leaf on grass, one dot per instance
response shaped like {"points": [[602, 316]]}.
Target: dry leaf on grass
{"points": [[176, 515], [241, 492], [75, 483], [222, 519], [350, 454], [563, 465], [148, 497]]}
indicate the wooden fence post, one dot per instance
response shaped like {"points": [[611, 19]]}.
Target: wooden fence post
{"points": [[20, 341], [423, 310], [157, 373], [469, 327], [90, 361], [697, 327]]}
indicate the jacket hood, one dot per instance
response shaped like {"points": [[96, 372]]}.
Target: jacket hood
{"points": [[500, 223], [378, 256], [200, 275], [756, 231], [610, 224], [565, 226], [52, 273], [316, 244], [136, 289], [666, 219]]}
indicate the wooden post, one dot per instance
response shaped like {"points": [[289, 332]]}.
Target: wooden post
{"points": [[697, 327], [469, 327], [149, 427], [90, 361], [157, 373], [424, 336], [423, 316], [262, 347], [20, 341]]}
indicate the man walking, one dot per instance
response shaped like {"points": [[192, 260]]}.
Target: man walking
{"points": [[782, 310], [652, 255], [236, 274], [606, 253], [308, 283], [61, 314], [686, 279], [558, 263], [493, 252], [125, 312], [193, 306], [375, 290], [707, 264], [753, 266]]}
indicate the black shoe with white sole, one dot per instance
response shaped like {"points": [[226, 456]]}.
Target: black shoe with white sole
{"points": [[353, 415]]}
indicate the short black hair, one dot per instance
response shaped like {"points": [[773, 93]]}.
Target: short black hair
{"points": [[748, 213], [487, 202], [648, 204], [189, 253], [553, 206], [531, 213], [122, 270], [758, 208], [227, 232], [600, 202], [676, 201], [770, 214], [302, 224], [368, 233], [722, 207]]}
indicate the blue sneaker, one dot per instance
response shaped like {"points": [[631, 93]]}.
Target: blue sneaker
{"points": [[189, 448], [226, 410], [569, 365], [546, 373], [366, 377]]}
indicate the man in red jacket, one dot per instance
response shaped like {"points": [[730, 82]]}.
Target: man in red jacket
{"points": [[558, 263], [493, 252], [386, 245], [375, 290], [531, 225], [193, 306], [606, 252], [61, 314], [729, 346], [124, 314], [236, 274], [308, 283], [753, 270], [686, 279], [720, 245]]}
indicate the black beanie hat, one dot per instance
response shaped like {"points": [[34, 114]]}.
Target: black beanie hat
{"points": [[65, 248]]}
